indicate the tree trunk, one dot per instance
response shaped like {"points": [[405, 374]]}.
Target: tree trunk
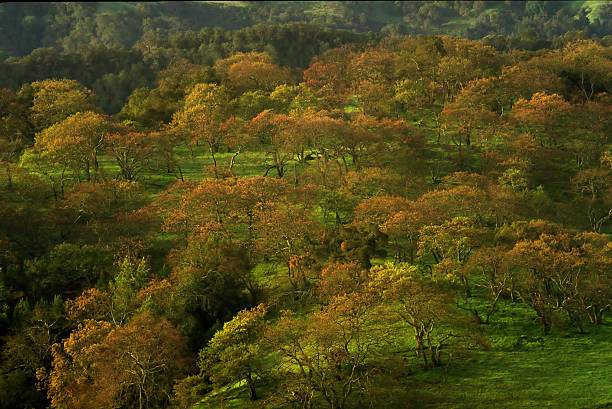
{"points": [[62, 183], [212, 154], [420, 348], [140, 398], [466, 287], [545, 326], [251, 385], [355, 158], [180, 171], [232, 161], [346, 169], [9, 176], [491, 309]]}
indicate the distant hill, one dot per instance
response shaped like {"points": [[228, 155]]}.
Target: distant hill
{"points": [[71, 26]]}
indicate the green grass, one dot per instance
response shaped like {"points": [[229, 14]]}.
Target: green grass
{"points": [[563, 370], [523, 370], [155, 177], [572, 373]]}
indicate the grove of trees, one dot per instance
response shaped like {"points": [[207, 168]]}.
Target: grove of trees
{"points": [[258, 230]]}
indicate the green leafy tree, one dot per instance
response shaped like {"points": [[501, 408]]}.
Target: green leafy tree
{"points": [[329, 356], [132, 277], [421, 304], [67, 269], [236, 352]]}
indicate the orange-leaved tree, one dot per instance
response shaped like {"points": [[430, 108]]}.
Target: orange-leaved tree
{"points": [[77, 140]]}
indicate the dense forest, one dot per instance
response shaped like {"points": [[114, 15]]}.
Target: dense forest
{"points": [[71, 26], [306, 205]]}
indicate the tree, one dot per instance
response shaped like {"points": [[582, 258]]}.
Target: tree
{"points": [[498, 94], [596, 190], [205, 209], [587, 65], [365, 131], [45, 163], [143, 359], [274, 130], [252, 103], [67, 269], [258, 194], [403, 231], [91, 304], [550, 272], [337, 204], [223, 66], [286, 231], [464, 124], [330, 80], [150, 108], [371, 216], [131, 278], [451, 244], [451, 201], [365, 183], [141, 109], [212, 280], [421, 304], [36, 329], [283, 98], [16, 131], [236, 352], [543, 116], [329, 355], [376, 210], [491, 270], [226, 208], [163, 151], [207, 118], [131, 150], [92, 203], [591, 134], [77, 140], [595, 295], [339, 279], [248, 75], [454, 72], [55, 100], [18, 185], [134, 365]]}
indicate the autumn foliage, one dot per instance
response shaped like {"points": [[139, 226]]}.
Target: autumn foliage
{"points": [[251, 234]]}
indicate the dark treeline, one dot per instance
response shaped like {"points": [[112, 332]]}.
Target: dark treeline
{"points": [[114, 50], [113, 73], [71, 26]]}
